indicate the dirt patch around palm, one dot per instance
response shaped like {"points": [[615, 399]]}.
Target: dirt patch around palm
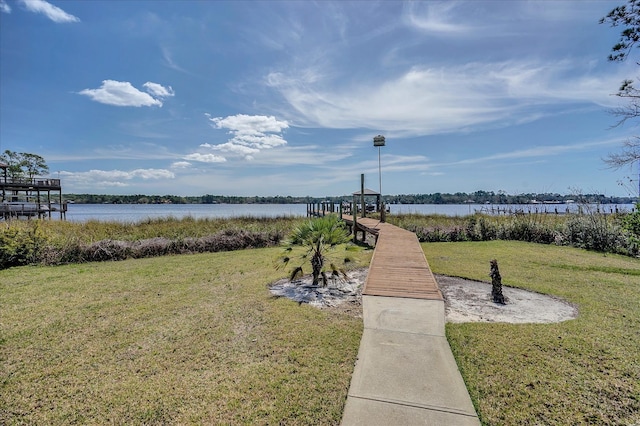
{"points": [[465, 300]]}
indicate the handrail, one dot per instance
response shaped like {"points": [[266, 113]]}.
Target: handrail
{"points": [[40, 182]]}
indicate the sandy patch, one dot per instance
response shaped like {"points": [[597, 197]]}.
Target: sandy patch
{"points": [[471, 301], [341, 295], [465, 300]]}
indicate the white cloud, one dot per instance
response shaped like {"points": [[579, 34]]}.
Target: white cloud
{"points": [[122, 93], [181, 165], [117, 178], [429, 100], [152, 174], [435, 17], [251, 134], [168, 57], [233, 148], [158, 90], [50, 11], [205, 158], [250, 124], [4, 7]]}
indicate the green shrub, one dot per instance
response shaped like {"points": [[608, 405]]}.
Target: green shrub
{"points": [[594, 232], [20, 244], [589, 229], [484, 230], [631, 224], [527, 227]]}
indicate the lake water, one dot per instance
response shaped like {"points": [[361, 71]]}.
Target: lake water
{"points": [[141, 212]]}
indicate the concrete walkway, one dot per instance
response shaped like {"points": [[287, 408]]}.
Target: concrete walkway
{"points": [[405, 373]]}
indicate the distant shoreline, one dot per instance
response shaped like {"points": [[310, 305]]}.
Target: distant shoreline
{"points": [[478, 197]]}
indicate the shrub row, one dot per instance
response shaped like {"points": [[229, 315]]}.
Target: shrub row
{"points": [[594, 231], [31, 242], [24, 245]]}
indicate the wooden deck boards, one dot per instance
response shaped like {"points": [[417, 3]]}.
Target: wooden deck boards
{"points": [[398, 267]]}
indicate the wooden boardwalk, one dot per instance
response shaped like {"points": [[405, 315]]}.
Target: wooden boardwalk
{"points": [[405, 373], [398, 267]]}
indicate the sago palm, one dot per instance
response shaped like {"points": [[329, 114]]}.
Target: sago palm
{"points": [[318, 237]]}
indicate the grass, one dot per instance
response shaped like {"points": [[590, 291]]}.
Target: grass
{"points": [[168, 227], [584, 371], [190, 339], [197, 339]]}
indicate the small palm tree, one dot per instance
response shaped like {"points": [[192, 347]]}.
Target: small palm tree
{"points": [[319, 237]]}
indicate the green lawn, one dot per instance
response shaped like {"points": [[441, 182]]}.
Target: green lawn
{"points": [[172, 340], [584, 371], [197, 339]]}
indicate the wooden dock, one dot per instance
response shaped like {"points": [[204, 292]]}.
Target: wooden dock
{"points": [[405, 373], [399, 267]]}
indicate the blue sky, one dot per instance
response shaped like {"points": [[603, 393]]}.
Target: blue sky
{"points": [[284, 98]]}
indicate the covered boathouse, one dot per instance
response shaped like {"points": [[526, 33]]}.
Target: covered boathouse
{"points": [[29, 197]]}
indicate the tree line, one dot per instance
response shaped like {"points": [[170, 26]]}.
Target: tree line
{"points": [[478, 197]]}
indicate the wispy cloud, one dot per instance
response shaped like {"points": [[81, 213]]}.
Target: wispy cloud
{"points": [[50, 11], [436, 17], [205, 158], [429, 100], [539, 151], [4, 7], [180, 165], [114, 178], [158, 90], [122, 93], [168, 58], [301, 155], [251, 134]]}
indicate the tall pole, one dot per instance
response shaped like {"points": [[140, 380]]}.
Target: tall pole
{"points": [[379, 141], [379, 172]]}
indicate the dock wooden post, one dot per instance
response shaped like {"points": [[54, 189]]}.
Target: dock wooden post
{"points": [[364, 210], [355, 222]]}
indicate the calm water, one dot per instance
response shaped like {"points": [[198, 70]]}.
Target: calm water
{"points": [[141, 212]]}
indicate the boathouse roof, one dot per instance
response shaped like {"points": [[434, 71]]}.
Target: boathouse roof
{"points": [[367, 192]]}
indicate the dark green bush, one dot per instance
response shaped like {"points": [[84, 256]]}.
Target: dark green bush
{"points": [[631, 224], [595, 232], [484, 230], [19, 245], [527, 228]]}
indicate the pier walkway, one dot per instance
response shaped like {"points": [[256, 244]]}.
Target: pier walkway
{"points": [[405, 373]]}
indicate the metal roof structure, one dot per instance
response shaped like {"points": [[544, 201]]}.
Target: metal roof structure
{"points": [[366, 192]]}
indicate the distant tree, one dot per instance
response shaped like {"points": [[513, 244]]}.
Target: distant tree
{"points": [[34, 165], [14, 162], [628, 17], [22, 164]]}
